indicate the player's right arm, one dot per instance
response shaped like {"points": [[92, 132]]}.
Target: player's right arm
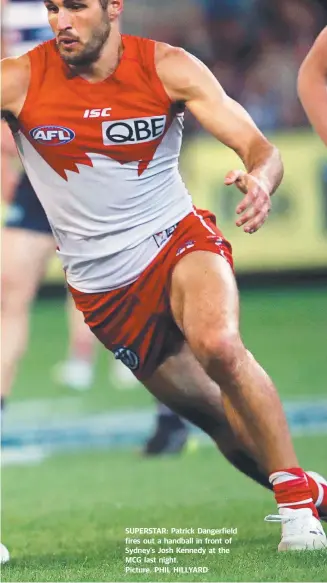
{"points": [[15, 79], [312, 85]]}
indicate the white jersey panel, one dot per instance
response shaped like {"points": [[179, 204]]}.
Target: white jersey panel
{"points": [[104, 214]]}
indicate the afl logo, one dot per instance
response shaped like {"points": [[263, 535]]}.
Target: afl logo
{"points": [[127, 357], [52, 135]]}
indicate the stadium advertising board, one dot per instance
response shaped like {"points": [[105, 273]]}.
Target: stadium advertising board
{"points": [[295, 236]]}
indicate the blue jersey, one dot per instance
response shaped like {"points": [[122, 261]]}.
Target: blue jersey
{"points": [[25, 24]]}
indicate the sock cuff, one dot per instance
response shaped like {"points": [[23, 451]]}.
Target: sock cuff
{"points": [[281, 476]]}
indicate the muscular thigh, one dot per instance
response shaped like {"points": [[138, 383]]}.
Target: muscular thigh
{"points": [[204, 297], [24, 256]]}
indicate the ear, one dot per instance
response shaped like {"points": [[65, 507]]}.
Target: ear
{"points": [[116, 7]]}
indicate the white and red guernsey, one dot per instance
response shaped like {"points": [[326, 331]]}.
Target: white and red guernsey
{"points": [[103, 160]]}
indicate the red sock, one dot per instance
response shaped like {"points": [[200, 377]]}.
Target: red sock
{"points": [[319, 492], [292, 490]]}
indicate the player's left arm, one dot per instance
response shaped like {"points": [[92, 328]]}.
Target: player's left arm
{"points": [[187, 79], [312, 85]]}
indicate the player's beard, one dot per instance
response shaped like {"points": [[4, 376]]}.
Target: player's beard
{"points": [[91, 49]]}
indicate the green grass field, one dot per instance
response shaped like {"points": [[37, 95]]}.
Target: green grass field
{"points": [[65, 519]]}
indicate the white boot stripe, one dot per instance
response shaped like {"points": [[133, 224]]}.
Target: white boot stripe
{"points": [[296, 503]]}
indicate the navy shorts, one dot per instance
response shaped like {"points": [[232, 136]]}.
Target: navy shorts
{"points": [[26, 211]]}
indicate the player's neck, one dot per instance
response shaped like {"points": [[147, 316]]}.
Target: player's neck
{"points": [[108, 61]]}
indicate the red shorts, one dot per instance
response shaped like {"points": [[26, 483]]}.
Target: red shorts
{"points": [[135, 321]]}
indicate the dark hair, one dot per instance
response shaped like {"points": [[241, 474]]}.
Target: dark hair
{"points": [[104, 4]]}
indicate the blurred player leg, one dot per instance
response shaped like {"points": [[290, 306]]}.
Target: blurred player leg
{"points": [[77, 371], [27, 244], [25, 254], [121, 375], [10, 167], [170, 434], [4, 554]]}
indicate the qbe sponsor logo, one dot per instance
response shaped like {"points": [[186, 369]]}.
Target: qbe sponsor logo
{"points": [[133, 131], [52, 135]]}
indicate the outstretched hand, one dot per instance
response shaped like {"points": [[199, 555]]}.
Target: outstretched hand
{"points": [[256, 204]]}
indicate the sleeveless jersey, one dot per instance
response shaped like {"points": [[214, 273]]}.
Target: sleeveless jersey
{"points": [[103, 160], [25, 24]]}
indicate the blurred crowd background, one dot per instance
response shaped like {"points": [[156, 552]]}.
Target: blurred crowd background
{"points": [[254, 47]]}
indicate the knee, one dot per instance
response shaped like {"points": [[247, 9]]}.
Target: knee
{"points": [[220, 349], [14, 290], [14, 320], [14, 295]]}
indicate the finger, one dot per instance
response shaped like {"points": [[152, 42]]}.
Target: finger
{"points": [[232, 176], [257, 197], [245, 203], [242, 183], [253, 197], [256, 223], [256, 208], [248, 216]]}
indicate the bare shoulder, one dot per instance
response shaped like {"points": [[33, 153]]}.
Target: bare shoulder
{"points": [[176, 60], [16, 68], [15, 77], [180, 72]]}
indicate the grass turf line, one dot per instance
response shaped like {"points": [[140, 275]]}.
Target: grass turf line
{"points": [[65, 520]]}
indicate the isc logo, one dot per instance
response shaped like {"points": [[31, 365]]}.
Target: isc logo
{"points": [[98, 112], [132, 131], [52, 135]]}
